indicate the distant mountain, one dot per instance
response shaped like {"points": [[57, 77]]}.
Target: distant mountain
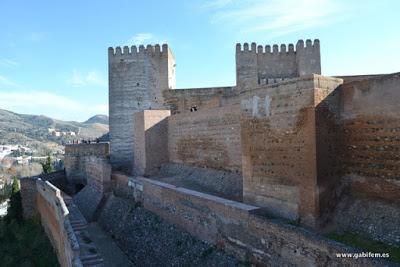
{"points": [[42, 132], [102, 119]]}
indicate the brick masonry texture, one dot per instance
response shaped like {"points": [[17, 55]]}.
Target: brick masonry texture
{"points": [[278, 135], [151, 139], [210, 138], [255, 66], [216, 182], [319, 151], [371, 128], [233, 226], [55, 219], [292, 142], [182, 100], [88, 165], [370, 146], [76, 156]]}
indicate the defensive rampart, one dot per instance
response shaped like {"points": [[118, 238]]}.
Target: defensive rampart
{"points": [[236, 227], [370, 145], [44, 199]]}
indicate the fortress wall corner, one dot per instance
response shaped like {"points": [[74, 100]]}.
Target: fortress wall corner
{"points": [[136, 82], [151, 141]]}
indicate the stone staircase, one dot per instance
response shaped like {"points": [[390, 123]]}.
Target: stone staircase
{"points": [[89, 255]]}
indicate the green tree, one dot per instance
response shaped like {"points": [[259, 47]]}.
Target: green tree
{"points": [[48, 166], [14, 210]]}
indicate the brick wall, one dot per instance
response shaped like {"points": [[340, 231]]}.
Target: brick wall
{"points": [[232, 226], [136, 82], [76, 156], [278, 135], [370, 119], [55, 220], [210, 138], [182, 100], [151, 141], [28, 194], [98, 171], [370, 144]]}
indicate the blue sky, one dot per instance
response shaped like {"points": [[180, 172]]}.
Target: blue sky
{"points": [[53, 54]]}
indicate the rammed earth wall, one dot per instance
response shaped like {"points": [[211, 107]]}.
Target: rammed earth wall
{"points": [[235, 227], [55, 220]]}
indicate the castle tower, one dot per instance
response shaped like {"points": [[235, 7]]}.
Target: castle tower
{"points": [[257, 65], [136, 82]]}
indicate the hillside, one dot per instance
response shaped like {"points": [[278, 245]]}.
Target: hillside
{"points": [[102, 119], [33, 130]]}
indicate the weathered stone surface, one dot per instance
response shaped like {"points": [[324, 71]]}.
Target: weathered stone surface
{"points": [[373, 218], [234, 227], [295, 144], [76, 156], [215, 182], [370, 121], [278, 139], [208, 139], [150, 241], [151, 141], [28, 197], [88, 200], [136, 82], [127, 186], [182, 100], [55, 220], [255, 66]]}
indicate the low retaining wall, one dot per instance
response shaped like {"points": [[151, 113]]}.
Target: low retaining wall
{"points": [[127, 186], [235, 227], [55, 220]]}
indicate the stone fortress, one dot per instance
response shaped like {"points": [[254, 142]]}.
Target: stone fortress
{"points": [[261, 170]]}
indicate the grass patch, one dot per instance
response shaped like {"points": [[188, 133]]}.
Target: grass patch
{"points": [[366, 244]]}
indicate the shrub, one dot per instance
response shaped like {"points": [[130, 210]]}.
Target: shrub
{"points": [[48, 166]]}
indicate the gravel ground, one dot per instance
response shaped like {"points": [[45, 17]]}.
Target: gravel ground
{"points": [[150, 241]]}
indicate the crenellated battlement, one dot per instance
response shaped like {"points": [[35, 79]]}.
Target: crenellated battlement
{"points": [[134, 51], [257, 64], [137, 77], [277, 49]]}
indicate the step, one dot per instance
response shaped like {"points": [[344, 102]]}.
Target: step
{"points": [[92, 262], [78, 223], [78, 229], [89, 257]]}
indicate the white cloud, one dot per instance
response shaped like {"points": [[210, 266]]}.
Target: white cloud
{"points": [[4, 81], [274, 16], [80, 79], [144, 38], [49, 104], [5, 62]]}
